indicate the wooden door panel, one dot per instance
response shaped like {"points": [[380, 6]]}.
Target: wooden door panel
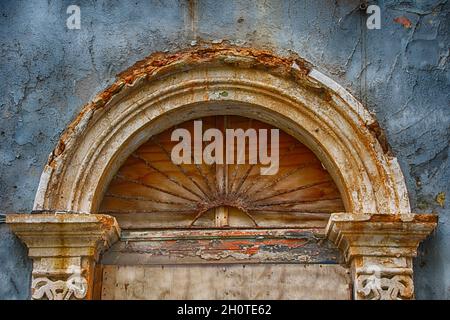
{"points": [[270, 281]]}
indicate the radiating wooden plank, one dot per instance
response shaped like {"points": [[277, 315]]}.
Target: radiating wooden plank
{"points": [[149, 187]]}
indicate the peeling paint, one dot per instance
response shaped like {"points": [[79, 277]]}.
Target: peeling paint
{"points": [[223, 246], [405, 22]]}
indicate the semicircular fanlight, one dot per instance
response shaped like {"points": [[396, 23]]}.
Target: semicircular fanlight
{"points": [[151, 191]]}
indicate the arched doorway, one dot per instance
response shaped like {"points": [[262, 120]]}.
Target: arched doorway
{"points": [[218, 230], [151, 191], [287, 93]]}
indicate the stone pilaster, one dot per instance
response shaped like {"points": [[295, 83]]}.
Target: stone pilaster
{"points": [[379, 249], [65, 249]]}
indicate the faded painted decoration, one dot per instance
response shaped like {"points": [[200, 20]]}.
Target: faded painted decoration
{"points": [[258, 60]]}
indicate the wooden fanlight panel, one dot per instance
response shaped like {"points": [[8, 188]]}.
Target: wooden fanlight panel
{"points": [[222, 231], [150, 191]]}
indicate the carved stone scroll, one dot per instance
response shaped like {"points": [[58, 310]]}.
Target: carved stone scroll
{"points": [[64, 249], [379, 249], [75, 287]]}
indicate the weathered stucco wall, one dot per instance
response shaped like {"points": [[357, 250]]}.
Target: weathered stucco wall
{"points": [[399, 72]]}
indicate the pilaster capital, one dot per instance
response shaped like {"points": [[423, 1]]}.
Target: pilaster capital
{"points": [[392, 235], [379, 249], [64, 249], [65, 234]]}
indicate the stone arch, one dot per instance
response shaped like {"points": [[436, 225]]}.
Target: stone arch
{"points": [[164, 89], [378, 235]]}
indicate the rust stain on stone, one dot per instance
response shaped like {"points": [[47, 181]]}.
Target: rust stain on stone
{"points": [[215, 54], [106, 221], [440, 199], [379, 134]]}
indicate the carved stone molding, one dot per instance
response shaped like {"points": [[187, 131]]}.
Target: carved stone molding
{"points": [[75, 287], [64, 249], [379, 249], [167, 89], [380, 285]]}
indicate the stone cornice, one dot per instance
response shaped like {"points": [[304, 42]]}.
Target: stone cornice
{"points": [[392, 235], [64, 235]]}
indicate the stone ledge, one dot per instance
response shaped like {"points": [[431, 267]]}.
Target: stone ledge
{"points": [[379, 234], [64, 234]]}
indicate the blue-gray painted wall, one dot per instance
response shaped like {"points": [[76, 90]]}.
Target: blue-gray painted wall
{"points": [[400, 72]]}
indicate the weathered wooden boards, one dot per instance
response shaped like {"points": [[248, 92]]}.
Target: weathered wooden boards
{"points": [[241, 281], [222, 231], [221, 246], [150, 191]]}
